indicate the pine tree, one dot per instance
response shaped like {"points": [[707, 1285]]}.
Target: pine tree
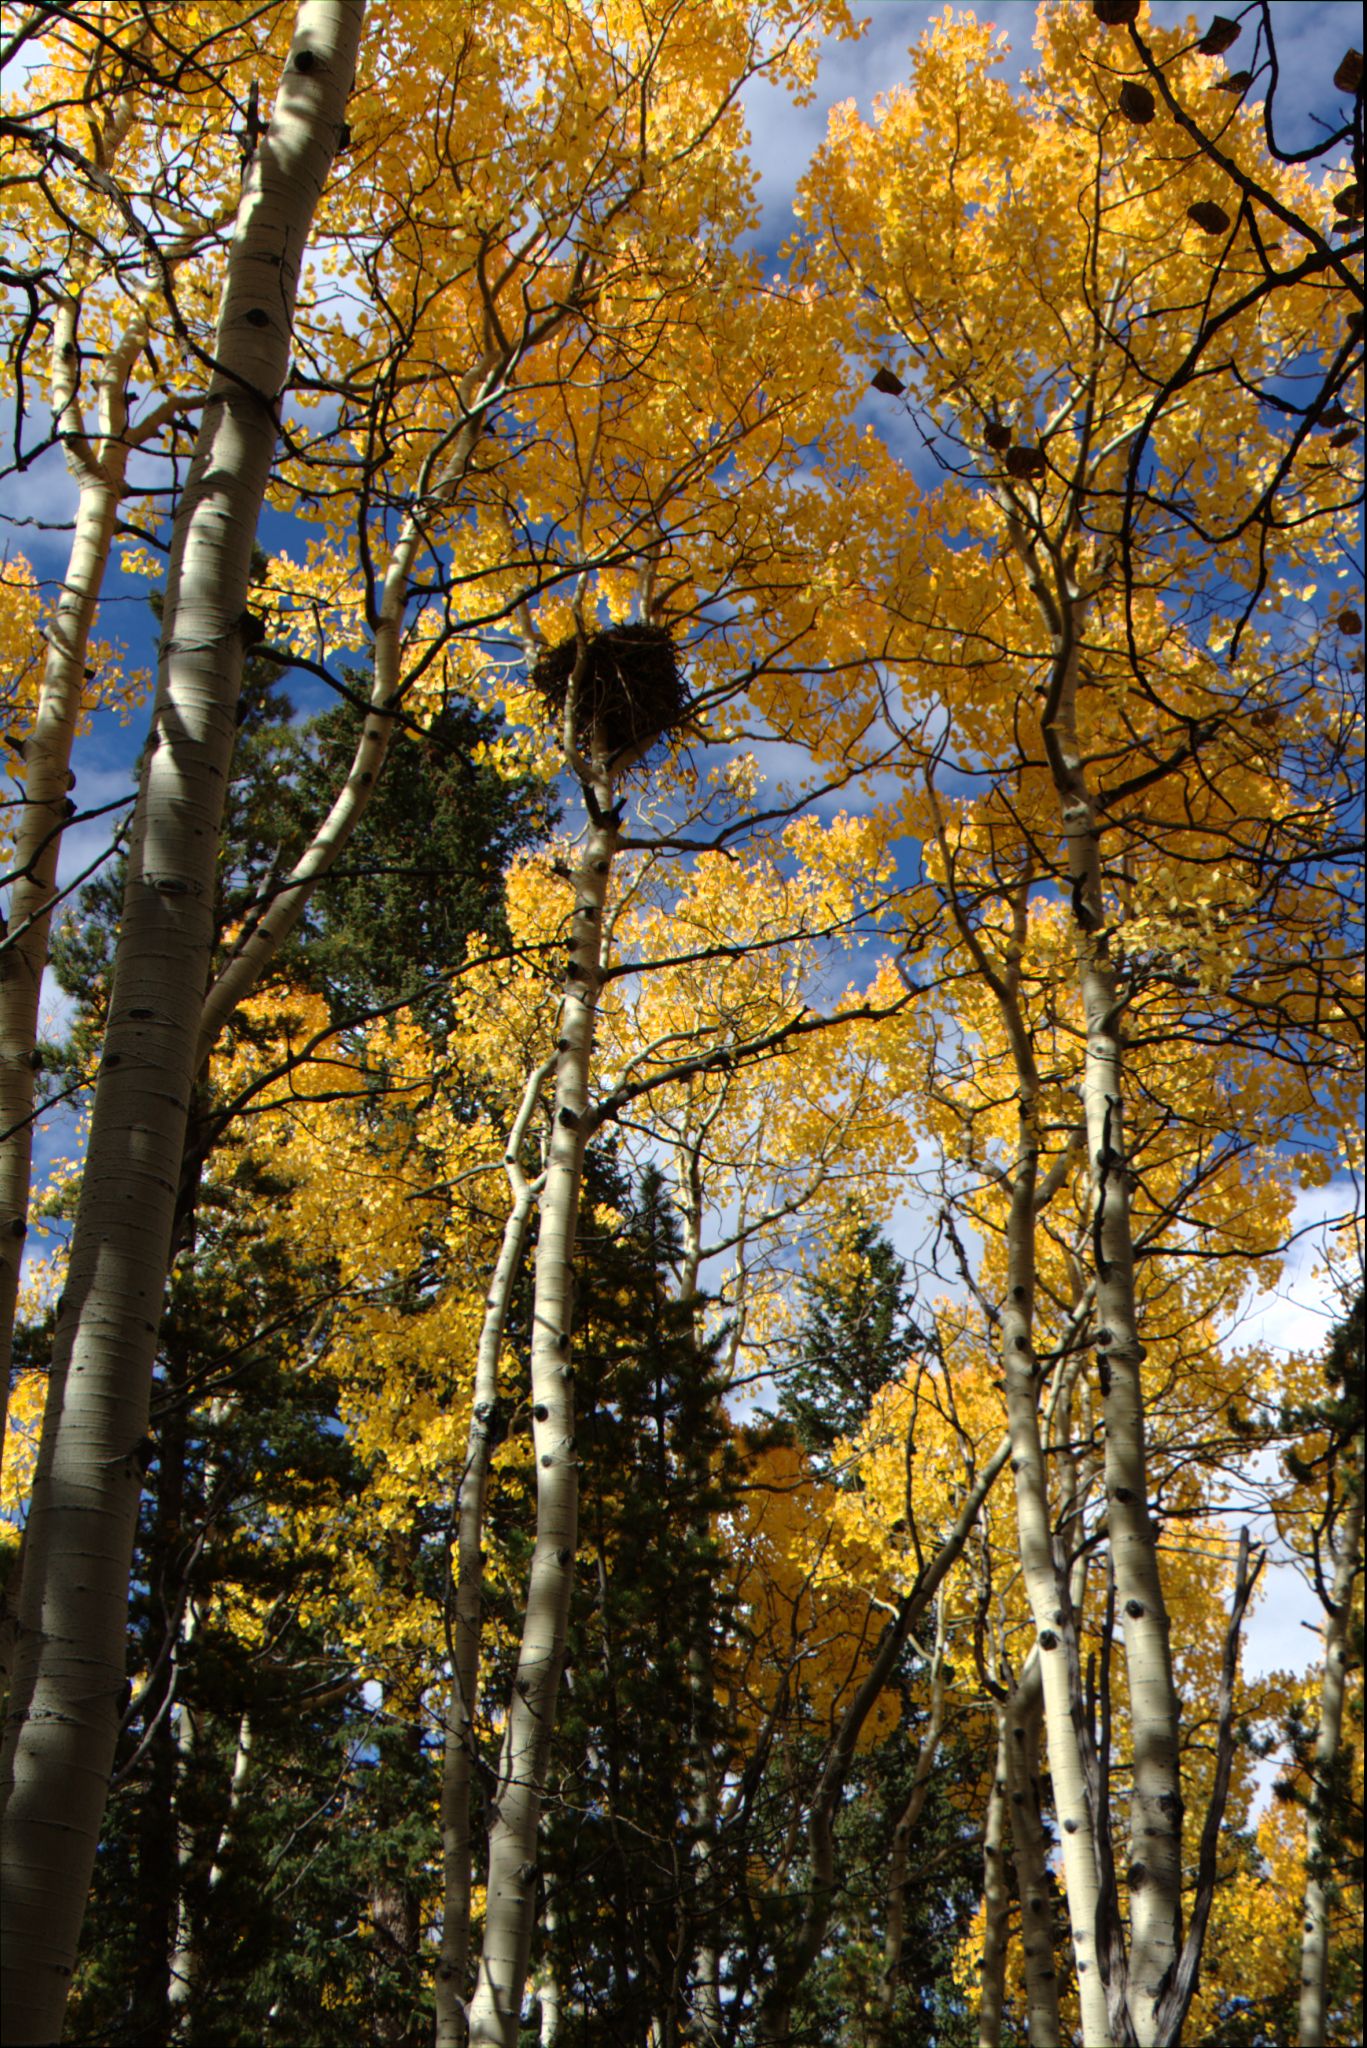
{"points": [[858, 1330]]}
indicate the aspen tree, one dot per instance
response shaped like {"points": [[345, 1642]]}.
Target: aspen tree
{"points": [[1040, 372], [96, 194], [996, 1902], [467, 1593], [69, 1665], [599, 760], [1022, 1721]]}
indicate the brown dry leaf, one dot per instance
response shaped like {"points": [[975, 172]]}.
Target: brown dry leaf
{"points": [[1210, 218], [1219, 36]]}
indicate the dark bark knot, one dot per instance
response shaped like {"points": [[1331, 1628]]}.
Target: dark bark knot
{"points": [[1135, 1609], [1047, 1639]]}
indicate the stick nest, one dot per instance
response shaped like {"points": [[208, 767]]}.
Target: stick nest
{"points": [[632, 692]]}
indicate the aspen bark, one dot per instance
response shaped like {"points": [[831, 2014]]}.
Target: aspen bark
{"points": [[98, 468], [516, 1806], [70, 1656], [97, 456], [996, 1903], [184, 1967], [38, 844], [1315, 1937], [1022, 1720], [1155, 1868], [1041, 1579], [705, 1960], [237, 1785], [459, 1743]]}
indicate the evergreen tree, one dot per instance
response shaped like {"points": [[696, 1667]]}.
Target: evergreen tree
{"points": [[858, 1330]]}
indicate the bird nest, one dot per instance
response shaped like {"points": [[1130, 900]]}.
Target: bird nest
{"points": [[631, 692]]}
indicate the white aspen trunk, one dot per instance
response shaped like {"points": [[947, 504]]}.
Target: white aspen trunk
{"points": [[242, 1763], [184, 1962], [1023, 1721], [1155, 1868], [99, 468], [459, 1743], [70, 1657], [1038, 1568], [1315, 1938], [548, 1994], [98, 471], [996, 1902], [516, 1808], [38, 845], [705, 1962]]}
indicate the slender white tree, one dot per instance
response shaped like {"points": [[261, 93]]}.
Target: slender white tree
{"points": [[69, 1671]]}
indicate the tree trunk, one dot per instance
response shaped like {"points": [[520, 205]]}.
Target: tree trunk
{"points": [[516, 1806], [97, 457], [70, 1656], [1315, 1941], [1030, 1853], [702, 1957], [38, 843], [996, 1903], [459, 1745], [1155, 1868], [98, 468], [184, 1965], [1041, 1575]]}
